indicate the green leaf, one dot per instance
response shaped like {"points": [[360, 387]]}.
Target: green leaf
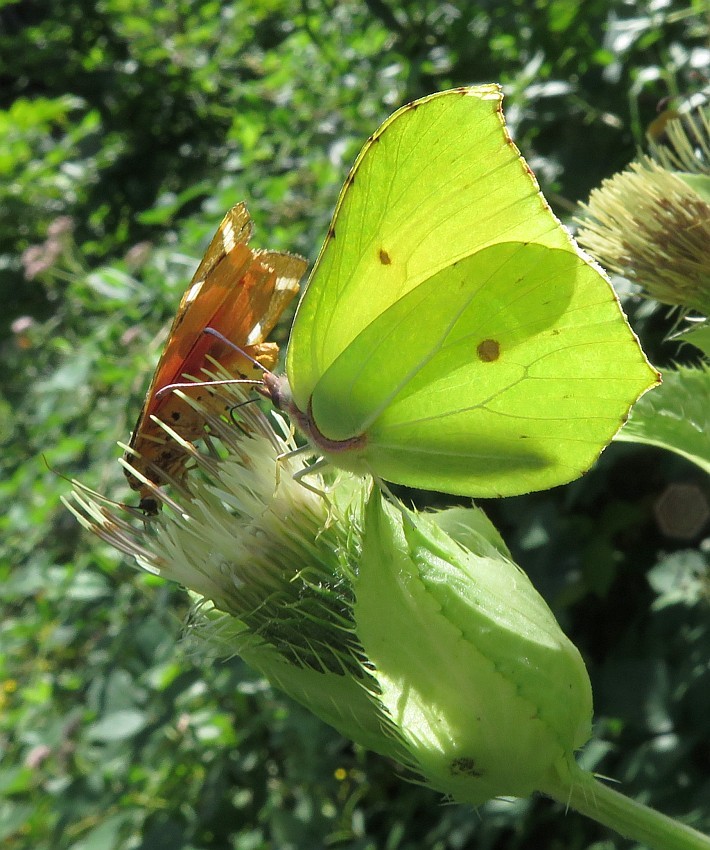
{"points": [[451, 336], [118, 725], [169, 205], [680, 578], [676, 416], [699, 336], [13, 816], [112, 284], [108, 833]]}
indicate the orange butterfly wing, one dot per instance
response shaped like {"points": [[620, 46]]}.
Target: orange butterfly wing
{"points": [[237, 291]]}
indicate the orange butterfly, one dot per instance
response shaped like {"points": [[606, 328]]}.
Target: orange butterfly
{"points": [[237, 291]]}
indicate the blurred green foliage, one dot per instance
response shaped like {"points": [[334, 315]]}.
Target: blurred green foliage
{"points": [[127, 128]]}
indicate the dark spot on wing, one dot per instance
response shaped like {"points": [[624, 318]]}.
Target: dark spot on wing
{"points": [[488, 351], [384, 257]]}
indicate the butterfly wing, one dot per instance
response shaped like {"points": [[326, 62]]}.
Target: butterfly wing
{"points": [[451, 335], [440, 180], [238, 292], [513, 385]]}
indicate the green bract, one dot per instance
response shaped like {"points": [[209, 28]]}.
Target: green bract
{"points": [[452, 336], [473, 672]]}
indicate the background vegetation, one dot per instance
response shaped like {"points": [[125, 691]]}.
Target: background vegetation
{"points": [[127, 128]]}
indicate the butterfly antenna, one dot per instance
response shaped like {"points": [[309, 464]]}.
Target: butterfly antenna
{"points": [[188, 385], [234, 408], [271, 387]]}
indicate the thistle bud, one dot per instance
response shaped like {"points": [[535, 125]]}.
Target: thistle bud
{"points": [[474, 675]]}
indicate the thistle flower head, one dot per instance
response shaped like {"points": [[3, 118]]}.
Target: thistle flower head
{"points": [[414, 635], [266, 559], [651, 222], [245, 537], [684, 144]]}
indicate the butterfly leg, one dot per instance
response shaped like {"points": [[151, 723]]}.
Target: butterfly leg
{"points": [[307, 470], [300, 476], [287, 456]]}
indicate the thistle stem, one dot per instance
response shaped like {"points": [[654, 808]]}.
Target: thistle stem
{"points": [[631, 819]]}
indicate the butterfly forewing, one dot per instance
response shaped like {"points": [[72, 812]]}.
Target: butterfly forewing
{"points": [[237, 291]]}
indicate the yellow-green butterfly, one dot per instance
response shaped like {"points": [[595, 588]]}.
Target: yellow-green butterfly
{"points": [[452, 336]]}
